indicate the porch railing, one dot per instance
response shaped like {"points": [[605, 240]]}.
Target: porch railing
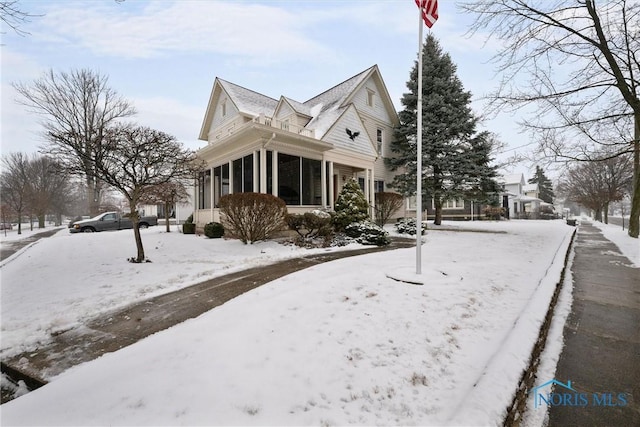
{"points": [[284, 125]]}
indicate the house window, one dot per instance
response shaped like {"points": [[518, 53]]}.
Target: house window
{"points": [[412, 203], [453, 204], [269, 172], [378, 186], [379, 140], [204, 190], [299, 180], [243, 174], [371, 98], [220, 183]]}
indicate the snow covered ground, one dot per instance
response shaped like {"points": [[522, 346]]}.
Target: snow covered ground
{"points": [[338, 343]]}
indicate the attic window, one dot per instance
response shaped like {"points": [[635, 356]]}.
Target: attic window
{"points": [[371, 98], [224, 108]]}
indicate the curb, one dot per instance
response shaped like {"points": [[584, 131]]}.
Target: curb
{"points": [[518, 405]]}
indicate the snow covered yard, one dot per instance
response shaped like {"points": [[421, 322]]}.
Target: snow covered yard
{"points": [[338, 343]]}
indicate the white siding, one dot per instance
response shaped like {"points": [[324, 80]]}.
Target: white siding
{"points": [[284, 111], [378, 110], [218, 118], [338, 136]]}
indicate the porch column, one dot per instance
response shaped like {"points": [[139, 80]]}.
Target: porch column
{"points": [[372, 194], [256, 178], [323, 179], [211, 191], [331, 185], [275, 173], [263, 171], [230, 177]]}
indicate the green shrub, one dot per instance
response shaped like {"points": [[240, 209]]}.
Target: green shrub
{"points": [[408, 226], [367, 233], [188, 228], [189, 219], [252, 217], [214, 230], [351, 206]]}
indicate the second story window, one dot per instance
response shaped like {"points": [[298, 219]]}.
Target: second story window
{"points": [[371, 98], [379, 140]]}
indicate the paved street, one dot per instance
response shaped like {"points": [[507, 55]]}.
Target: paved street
{"points": [[602, 337]]}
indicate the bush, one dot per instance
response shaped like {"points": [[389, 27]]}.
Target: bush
{"points": [[310, 224], [214, 230], [351, 206], [386, 205], [493, 212], [367, 233], [252, 217], [408, 226]]}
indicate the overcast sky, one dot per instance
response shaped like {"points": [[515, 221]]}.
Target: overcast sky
{"points": [[164, 55]]}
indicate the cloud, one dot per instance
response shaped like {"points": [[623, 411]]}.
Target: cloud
{"points": [[166, 28]]}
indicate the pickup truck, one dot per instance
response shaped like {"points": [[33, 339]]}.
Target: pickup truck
{"points": [[110, 221]]}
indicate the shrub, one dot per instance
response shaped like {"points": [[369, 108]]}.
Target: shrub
{"points": [[386, 205], [367, 233], [408, 226], [189, 219], [252, 217], [351, 206], [493, 212], [214, 230], [310, 224]]}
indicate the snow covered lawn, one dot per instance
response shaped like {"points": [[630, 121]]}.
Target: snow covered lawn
{"points": [[338, 343]]}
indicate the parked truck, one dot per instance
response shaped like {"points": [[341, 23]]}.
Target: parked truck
{"points": [[110, 221]]}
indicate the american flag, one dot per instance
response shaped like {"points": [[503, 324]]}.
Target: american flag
{"points": [[429, 10]]}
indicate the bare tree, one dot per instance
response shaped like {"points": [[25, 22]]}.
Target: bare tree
{"points": [[167, 194], [578, 64], [48, 188], [14, 185], [76, 108], [596, 184], [135, 160], [13, 16]]}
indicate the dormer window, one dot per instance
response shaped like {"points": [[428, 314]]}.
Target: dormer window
{"points": [[371, 98], [224, 108]]}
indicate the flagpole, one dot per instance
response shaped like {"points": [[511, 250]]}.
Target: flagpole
{"points": [[419, 153]]}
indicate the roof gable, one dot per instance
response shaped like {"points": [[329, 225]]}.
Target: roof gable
{"points": [[338, 136]]}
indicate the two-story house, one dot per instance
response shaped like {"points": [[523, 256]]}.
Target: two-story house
{"points": [[302, 152]]}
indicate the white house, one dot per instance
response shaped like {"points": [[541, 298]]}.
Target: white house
{"points": [[523, 201], [302, 152]]}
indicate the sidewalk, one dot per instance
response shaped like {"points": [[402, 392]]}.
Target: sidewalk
{"points": [[601, 352]]}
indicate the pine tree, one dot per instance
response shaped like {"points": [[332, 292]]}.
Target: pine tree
{"points": [[351, 205], [455, 159], [545, 186]]}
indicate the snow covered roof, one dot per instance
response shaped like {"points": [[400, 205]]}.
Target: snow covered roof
{"points": [[530, 187], [248, 101], [299, 107], [515, 178]]}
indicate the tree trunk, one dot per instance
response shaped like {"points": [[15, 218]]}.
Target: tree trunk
{"points": [[166, 216], [438, 211], [598, 216], [606, 212], [634, 217], [135, 219]]}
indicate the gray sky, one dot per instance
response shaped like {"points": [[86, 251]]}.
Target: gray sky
{"points": [[164, 55]]}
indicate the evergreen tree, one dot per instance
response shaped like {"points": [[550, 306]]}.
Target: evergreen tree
{"points": [[455, 159], [351, 206], [544, 185]]}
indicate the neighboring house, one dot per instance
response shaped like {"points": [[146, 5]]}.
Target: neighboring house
{"points": [[457, 210], [302, 152], [522, 198], [178, 213]]}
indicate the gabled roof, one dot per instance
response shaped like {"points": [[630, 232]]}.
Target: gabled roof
{"points": [[323, 109], [298, 107], [248, 101], [516, 178]]}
